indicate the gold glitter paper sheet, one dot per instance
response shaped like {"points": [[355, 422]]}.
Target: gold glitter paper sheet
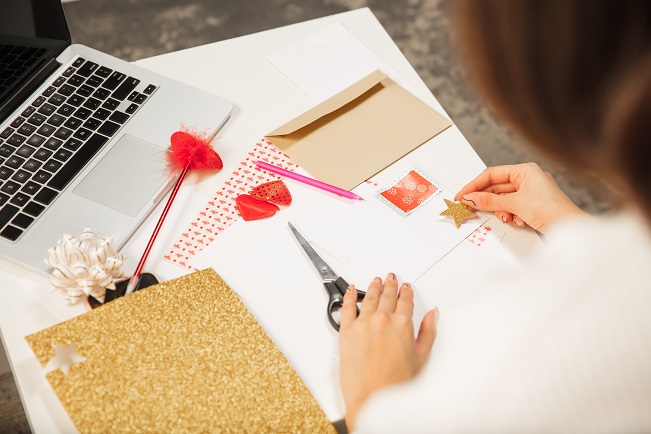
{"points": [[182, 356]]}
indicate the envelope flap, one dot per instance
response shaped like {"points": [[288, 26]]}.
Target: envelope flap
{"points": [[331, 104]]}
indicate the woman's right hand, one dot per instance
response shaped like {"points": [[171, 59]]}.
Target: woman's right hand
{"points": [[522, 194]]}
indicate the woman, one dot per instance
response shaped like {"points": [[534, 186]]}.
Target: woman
{"points": [[562, 343]]}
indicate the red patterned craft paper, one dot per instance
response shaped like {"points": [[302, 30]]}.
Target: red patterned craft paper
{"points": [[411, 191], [220, 212], [486, 237]]}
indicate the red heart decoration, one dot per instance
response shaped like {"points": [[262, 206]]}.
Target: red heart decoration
{"points": [[274, 191], [251, 208]]}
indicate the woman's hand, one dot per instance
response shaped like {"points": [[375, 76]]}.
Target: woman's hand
{"points": [[377, 348], [521, 194]]}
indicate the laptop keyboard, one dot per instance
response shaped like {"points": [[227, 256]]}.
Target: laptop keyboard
{"points": [[51, 141], [14, 61]]}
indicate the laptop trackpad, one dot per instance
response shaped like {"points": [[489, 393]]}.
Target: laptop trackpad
{"points": [[127, 177]]}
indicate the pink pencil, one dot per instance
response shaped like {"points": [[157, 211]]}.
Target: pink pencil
{"points": [[309, 181]]}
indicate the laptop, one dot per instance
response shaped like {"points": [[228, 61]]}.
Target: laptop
{"points": [[83, 135]]}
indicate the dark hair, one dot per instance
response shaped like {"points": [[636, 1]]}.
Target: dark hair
{"points": [[572, 76]]}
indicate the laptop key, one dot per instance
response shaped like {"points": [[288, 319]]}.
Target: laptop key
{"points": [[46, 130], [149, 89], [16, 140], [78, 62], [25, 151], [108, 128], [11, 233], [5, 172], [85, 90], [59, 81], [22, 221], [36, 140], [101, 114], [73, 123], [10, 187], [49, 91], [114, 80], [103, 71], [92, 123], [26, 129], [125, 88], [111, 104], [41, 176], [36, 119], [56, 120], [82, 133], [52, 165], [33, 209], [56, 99], [53, 143], [62, 154], [47, 109], [7, 213], [32, 164], [66, 90], [63, 133], [6, 150], [77, 162], [119, 117], [45, 196], [38, 101], [30, 188], [7, 132], [73, 144], [131, 109], [42, 154], [76, 80], [83, 113], [19, 120], [68, 72], [76, 100], [140, 98], [92, 103], [15, 162], [87, 69], [28, 111], [101, 93], [3, 199], [21, 176], [20, 199], [94, 81], [66, 110]]}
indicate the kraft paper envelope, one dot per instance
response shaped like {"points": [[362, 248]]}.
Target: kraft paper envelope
{"points": [[359, 131]]}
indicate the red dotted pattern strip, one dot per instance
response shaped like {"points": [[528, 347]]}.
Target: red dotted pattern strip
{"points": [[220, 212]]}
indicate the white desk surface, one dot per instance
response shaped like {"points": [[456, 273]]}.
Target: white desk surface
{"points": [[237, 70]]}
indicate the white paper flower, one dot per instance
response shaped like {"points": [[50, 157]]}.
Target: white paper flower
{"points": [[84, 265]]}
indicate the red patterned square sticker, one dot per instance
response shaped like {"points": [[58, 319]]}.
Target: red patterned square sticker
{"points": [[410, 192]]}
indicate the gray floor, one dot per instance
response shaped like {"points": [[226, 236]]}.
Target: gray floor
{"points": [[135, 29]]}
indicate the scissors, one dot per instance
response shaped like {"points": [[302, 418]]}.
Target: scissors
{"points": [[335, 286]]}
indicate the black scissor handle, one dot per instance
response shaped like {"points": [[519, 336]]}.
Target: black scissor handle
{"points": [[336, 291]]}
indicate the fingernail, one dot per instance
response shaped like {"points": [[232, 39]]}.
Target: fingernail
{"points": [[518, 225], [391, 276], [408, 285], [377, 280], [469, 200], [436, 315], [350, 289], [504, 219]]}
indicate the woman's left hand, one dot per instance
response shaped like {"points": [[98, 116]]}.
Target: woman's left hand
{"points": [[377, 348]]}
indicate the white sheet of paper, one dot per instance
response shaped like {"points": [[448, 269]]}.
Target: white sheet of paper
{"points": [[374, 239], [328, 61]]}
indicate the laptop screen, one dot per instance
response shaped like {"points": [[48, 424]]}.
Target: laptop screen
{"points": [[31, 32]]}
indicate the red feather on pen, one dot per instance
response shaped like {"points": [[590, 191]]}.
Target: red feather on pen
{"points": [[188, 151]]}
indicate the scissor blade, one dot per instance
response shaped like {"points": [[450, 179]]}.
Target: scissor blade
{"points": [[324, 269]]}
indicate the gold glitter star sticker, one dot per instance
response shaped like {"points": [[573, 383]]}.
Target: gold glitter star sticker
{"points": [[458, 211]]}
